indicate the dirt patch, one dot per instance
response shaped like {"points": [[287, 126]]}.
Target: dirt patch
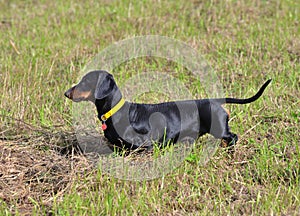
{"points": [[34, 172]]}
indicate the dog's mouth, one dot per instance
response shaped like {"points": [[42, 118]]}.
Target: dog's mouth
{"points": [[77, 99]]}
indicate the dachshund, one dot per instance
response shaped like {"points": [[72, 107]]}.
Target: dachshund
{"points": [[131, 126]]}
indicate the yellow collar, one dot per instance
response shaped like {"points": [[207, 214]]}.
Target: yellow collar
{"points": [[115, 109]]}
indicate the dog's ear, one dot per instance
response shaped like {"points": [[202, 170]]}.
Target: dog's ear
{"points": [[105, 85]]}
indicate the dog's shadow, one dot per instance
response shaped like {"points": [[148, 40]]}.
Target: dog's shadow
{"points": [[136, 165]]}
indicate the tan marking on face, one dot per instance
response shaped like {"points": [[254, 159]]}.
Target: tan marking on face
{"points": [[80, 94]]}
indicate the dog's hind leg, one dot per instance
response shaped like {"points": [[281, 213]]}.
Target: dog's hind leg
{"points": [[220, 128]]}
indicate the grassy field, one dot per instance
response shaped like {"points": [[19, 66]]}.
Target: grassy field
{"points": [[44, 45]]}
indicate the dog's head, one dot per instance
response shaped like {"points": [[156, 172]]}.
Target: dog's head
{"points": [[94, 85]]}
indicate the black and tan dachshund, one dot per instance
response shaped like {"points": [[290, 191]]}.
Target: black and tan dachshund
{"points": [[132, 125]]}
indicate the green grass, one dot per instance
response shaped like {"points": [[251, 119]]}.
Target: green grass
{"points": [[45, 44]]}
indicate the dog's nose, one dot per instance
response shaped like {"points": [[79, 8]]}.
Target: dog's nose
{"points": [[68, 93]]}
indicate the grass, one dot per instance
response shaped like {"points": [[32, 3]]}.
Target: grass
{"points": [[45, 44]]}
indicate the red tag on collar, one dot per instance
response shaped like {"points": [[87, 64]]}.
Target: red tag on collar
{"points": [[104, 126]]}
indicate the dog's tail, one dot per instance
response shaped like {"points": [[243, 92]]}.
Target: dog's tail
{"points": [[243, 101]]}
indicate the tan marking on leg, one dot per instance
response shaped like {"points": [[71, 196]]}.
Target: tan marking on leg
{"points": [[224, 143], [226, 111]]}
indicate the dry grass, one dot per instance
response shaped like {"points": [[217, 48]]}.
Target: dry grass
{"points": [[36, 170]]}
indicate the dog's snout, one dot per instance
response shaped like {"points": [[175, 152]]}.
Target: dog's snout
{"points": [[69, 93]]}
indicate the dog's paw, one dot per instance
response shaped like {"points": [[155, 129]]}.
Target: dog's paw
{"points": [[229, 143]]}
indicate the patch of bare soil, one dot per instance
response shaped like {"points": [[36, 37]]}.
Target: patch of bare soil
{"points": [[35, 171]]}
